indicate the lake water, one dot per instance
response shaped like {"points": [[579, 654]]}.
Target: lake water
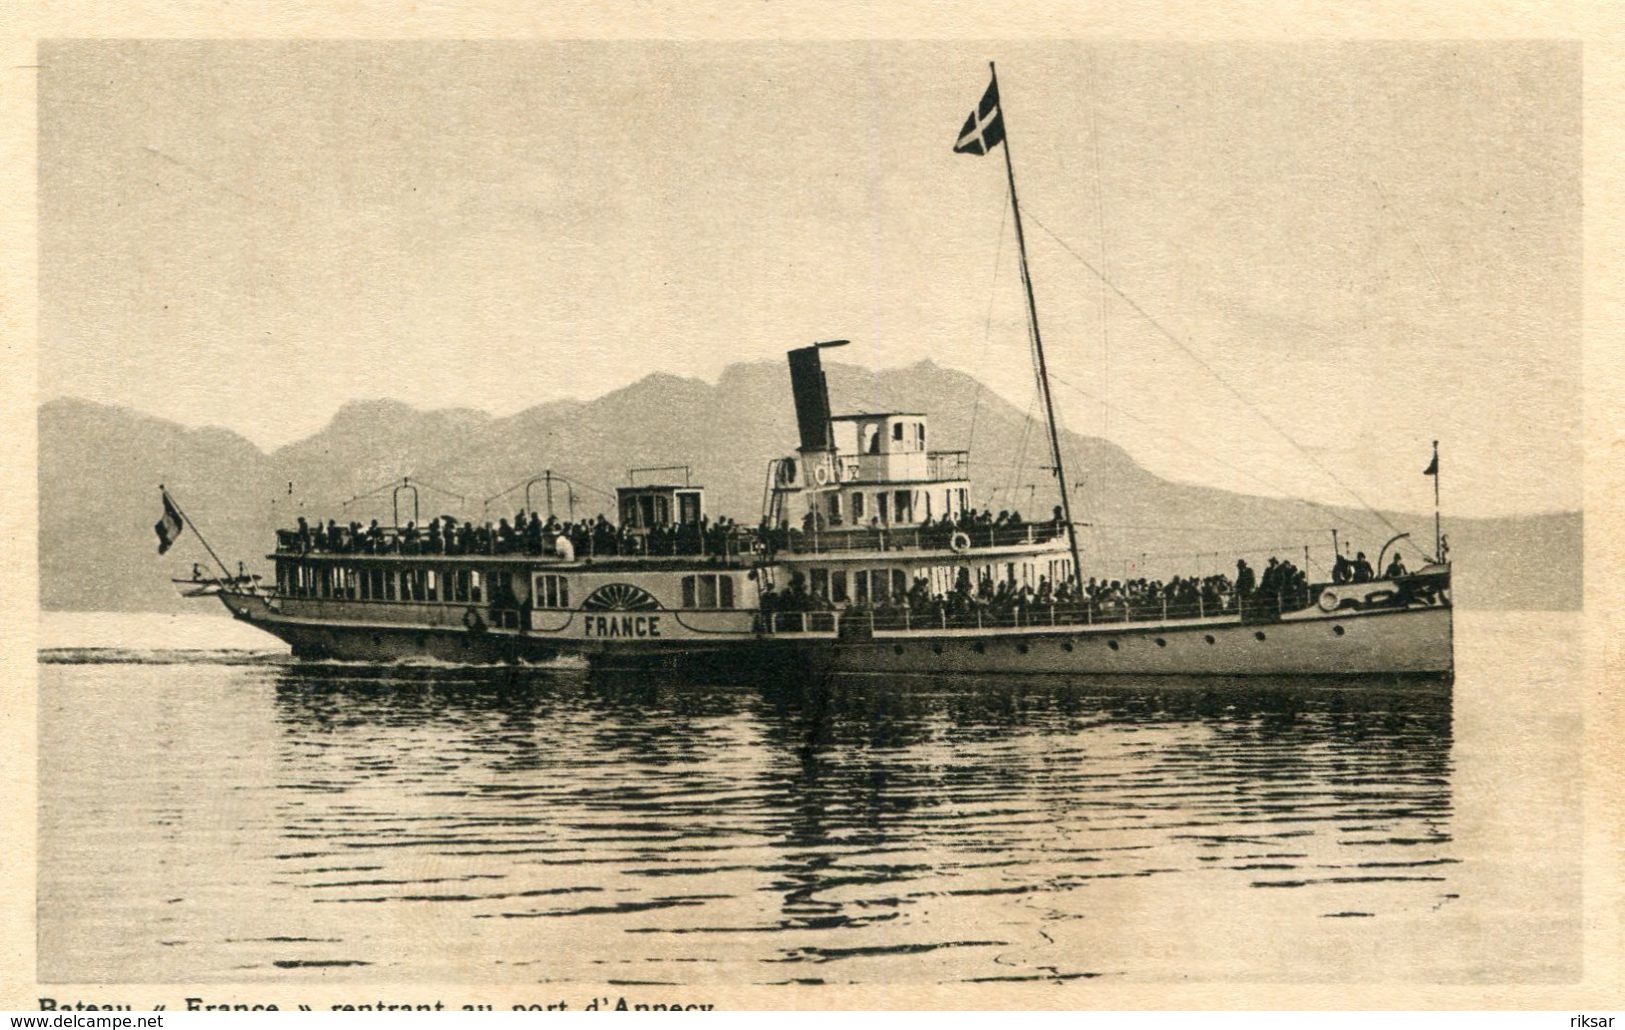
{"points": [[211, 811]]}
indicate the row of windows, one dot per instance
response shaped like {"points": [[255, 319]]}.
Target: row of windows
{"points": [[361, 583], [708, 591], [897, 506], [908, 435], [552, 591], [863, 586], [465, 586]]}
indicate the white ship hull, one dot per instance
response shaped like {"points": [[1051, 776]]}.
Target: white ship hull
{"points": [[1414, 641], [1399, 642]]}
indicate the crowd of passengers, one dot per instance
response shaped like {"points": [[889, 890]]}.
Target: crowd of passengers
{"points": [[980, 529], [528, 533], [1282, 587]]}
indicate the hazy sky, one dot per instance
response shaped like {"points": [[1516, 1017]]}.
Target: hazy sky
{"points": [[1375, 244]]}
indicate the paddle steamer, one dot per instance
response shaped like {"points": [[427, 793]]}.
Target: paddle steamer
{"points": [[863, 561], [853, 536]]}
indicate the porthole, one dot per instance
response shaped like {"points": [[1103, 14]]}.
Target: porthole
{"points": [[1161, 642], [1112, 644], [1067, 647], [1338, 630], [1023, 648], [1209, 638], [1259, 635], [897, 649]]}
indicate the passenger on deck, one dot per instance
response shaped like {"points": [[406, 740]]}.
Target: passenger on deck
{"points": [[1363, 572], [1396, 568], [1244, 578]]}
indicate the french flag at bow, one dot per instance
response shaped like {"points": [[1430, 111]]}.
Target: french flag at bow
{"points": [[169, 526], [984, 129]]}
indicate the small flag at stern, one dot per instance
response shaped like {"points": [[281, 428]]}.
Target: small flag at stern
{"points": [[984, 129], [169, 526]]}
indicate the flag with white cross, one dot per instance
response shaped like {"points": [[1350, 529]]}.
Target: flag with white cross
{"points": [[984, 129]]}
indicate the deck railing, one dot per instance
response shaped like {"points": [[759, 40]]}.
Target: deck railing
{"points": [[914, 538], [785, 623], [902, 618]]}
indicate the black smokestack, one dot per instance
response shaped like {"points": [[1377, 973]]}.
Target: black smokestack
{"points": [[811, 394]]}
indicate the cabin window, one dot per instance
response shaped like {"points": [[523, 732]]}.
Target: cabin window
{"points": [[474, 590], [857, 506], [708, 591], [431, 585], [502, 595], [919, 435], [820, 582], [458, 580], [860, 586], [901, 505], [835, 508], [877, 585], [899, 583], [881, 507], [837, 586], [551, 591], [897, 431], [871, 438]]}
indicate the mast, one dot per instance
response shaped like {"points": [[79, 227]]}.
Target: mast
{"points": [[1438, 528], [164, 491], [1038, 343]]}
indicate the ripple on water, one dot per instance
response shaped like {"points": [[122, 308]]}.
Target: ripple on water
{"points": [[582, 828]]}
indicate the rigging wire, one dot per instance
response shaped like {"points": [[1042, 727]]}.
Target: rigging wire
{"points": [[1255, 409], [987, 333], [412, 481], [1175, 438]]}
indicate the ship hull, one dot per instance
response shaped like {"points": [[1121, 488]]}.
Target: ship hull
{"points": [[363, 640], [1413, 642], [1401, 642]]}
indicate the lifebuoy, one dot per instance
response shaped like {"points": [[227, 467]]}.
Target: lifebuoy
{"points": [[472, 621], [1328, 601], [821, 475], [960, 541]]}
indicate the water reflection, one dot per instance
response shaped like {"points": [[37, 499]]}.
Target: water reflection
{"points": [[849, 828]]}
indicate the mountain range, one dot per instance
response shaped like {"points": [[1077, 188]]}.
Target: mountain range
{"points": [[100, 466]]}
